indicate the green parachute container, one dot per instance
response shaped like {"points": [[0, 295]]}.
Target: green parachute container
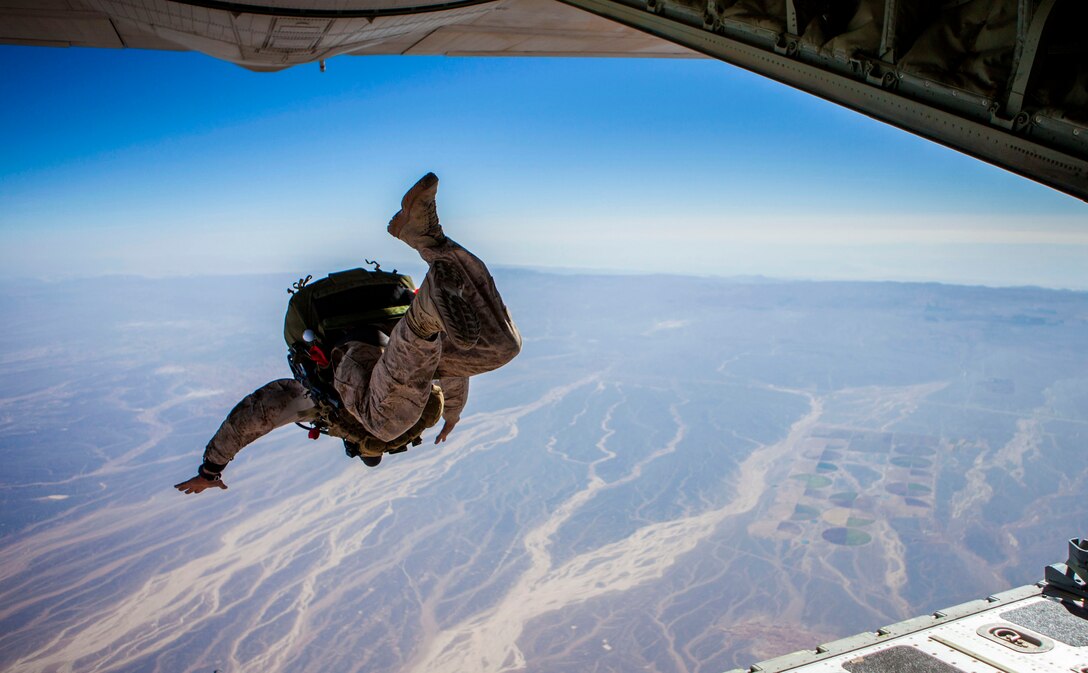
{"points": [[325, 312]]}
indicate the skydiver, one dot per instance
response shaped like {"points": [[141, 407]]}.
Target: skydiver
{"points": [[457, 326]]}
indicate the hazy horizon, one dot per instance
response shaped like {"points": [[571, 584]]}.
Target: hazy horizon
{"points": [[417, 270]]}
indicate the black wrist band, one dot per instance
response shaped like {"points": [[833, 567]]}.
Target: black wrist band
{"points": [[214, 468], [203, 471]]}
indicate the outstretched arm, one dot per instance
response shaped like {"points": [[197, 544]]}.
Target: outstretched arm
{"points": [[455, 395], [273, 405]]}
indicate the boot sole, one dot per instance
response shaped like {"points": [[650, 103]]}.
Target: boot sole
{"points": [[459, 318], [427, 182]]}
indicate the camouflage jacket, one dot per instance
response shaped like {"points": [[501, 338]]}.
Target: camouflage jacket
{"points": [[284, 401]]}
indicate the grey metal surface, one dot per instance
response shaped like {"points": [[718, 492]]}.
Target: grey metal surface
{"points": [[1017, 631], [1063, 621], [899, 660], [890, 633]]}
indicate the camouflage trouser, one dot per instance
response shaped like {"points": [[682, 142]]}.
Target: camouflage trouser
{"points": [[387, 389]]}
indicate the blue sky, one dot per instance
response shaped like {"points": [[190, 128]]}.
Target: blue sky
{"points": [[163, 163]]}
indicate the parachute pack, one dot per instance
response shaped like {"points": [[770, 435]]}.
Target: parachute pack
{"points": [[349, 305], [326, 312]]}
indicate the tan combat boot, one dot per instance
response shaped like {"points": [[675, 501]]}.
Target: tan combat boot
{"points": [[440, 306], [416, 223]]}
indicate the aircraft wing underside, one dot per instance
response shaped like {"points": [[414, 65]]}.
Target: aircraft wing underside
{"points": [[1003, 80], [276, 34]]}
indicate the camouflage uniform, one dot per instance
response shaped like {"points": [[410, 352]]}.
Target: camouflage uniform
{"points": [[388, 391]]}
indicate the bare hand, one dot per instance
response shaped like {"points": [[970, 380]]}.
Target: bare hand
{"points": [[447, 428], [198, 484]]}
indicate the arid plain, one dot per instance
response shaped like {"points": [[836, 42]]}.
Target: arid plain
{"points": [[678, 474]]}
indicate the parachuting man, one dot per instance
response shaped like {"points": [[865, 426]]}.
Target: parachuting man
{"points": [[374, 385]]}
